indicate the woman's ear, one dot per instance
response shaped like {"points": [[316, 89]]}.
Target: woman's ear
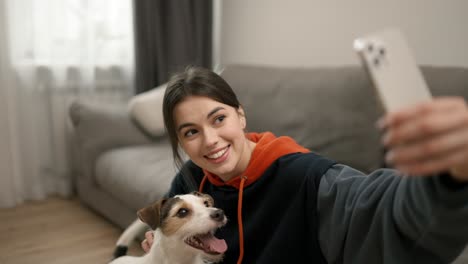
{"points": [[242, 118]]}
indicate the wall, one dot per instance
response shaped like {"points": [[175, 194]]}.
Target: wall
{"points": [[314, 32]]}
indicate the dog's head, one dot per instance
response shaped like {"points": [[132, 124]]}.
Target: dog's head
{"points": [[190, 218]]}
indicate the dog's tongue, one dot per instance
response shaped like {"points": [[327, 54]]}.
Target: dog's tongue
{"points": [[214, 244]]}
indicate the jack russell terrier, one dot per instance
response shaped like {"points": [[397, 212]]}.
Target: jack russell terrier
{"points": [[183, 227]]}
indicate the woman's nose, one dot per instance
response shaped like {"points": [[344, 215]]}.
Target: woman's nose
{"points": [[211, 137]]}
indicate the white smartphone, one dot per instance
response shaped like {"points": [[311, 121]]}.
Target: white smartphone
{"points": [[395, 75]]}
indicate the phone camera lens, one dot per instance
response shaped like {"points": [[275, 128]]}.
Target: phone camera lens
{"points": [[376, 61], [382, 51]]}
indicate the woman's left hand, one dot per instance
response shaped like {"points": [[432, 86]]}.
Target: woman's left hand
{"points": [[429, 137]]}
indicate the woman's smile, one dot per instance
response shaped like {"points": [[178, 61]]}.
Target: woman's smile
{"points": [[218, 156]]}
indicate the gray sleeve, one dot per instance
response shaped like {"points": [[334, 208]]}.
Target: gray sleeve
{"points": [[385, 217]]}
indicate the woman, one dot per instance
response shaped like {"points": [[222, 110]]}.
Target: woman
{"points": [[286, 204]]}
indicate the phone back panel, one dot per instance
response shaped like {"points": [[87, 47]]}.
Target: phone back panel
{"points": [[392, 68]]}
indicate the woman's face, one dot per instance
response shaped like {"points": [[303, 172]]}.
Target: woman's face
{"points": [[212, 135]]}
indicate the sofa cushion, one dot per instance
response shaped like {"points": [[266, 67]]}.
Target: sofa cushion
{"points": [[146, 110], [136, 175], [446, 80]]}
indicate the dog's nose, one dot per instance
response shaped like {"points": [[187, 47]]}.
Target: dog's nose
{"points": [[217, 215]]}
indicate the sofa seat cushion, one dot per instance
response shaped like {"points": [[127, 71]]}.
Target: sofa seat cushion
{"points": [[136, 175]]}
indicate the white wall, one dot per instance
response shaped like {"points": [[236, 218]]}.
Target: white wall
{"points": [[320, 32]]}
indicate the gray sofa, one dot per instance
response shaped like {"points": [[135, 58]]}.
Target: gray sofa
{"points": [[330, 110]]}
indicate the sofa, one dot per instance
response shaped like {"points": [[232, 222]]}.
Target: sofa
{"points": [[119, 167]]}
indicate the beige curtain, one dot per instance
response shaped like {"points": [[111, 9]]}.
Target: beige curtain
{"points": [[7, 167], [53, 51]]}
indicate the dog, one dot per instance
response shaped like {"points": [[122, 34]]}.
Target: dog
{"points": [[183, 227]]}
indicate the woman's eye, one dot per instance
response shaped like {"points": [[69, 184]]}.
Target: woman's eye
{"points": [[190, 133], [183, 212], [220, 119]]}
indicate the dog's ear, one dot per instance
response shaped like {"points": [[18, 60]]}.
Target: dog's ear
{"points": [[205, 196], [151, 215], [196, 193]]}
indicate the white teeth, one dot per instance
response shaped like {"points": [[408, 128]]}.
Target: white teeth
{"points": [[218, 154], [194, 241]]}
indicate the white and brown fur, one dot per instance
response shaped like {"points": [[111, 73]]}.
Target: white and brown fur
{"points": [[175, 220]]}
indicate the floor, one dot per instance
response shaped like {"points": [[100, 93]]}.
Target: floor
{"points": [[56, 231]]}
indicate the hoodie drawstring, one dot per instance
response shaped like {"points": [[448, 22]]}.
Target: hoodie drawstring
{"points": [[239, 220], [202, 183], [239, 215]]}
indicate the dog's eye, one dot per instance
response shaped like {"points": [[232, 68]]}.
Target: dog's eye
{"points": [[207, 204], [183, 212]]}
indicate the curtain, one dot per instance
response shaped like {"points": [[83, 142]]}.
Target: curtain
{"points": [[52, 52], [6, 150], [169, 35]]}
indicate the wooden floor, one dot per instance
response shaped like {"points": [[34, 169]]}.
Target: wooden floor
{"points": [[56, 231]]}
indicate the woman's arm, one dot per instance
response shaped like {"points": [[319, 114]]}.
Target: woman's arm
{"points": [[385, 217]]}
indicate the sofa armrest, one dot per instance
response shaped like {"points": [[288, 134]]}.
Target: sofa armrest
{"points": [[98, 128]]}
